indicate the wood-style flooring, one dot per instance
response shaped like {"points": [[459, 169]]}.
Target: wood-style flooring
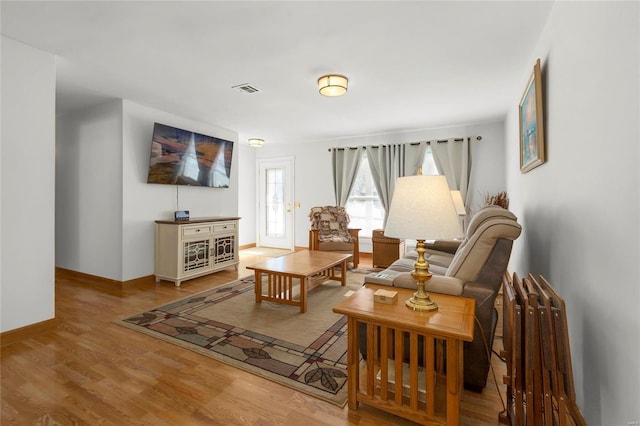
{"points": [[91, 371]]}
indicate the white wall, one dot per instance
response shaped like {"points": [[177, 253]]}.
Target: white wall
{"points": [[247, 171], [143, 203], [27, 185], [105, 208], [313, 173], [580, 210], [89, 191]]}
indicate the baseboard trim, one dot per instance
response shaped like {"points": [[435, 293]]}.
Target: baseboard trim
{"points": [[96, 281], [18, 334]]}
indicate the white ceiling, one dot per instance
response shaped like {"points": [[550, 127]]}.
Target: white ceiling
{"points": [[411, 65]]}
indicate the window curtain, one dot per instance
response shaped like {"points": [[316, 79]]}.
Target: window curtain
{"points": [[345, 162], [413, 156], [454, 160], [388, 163]]}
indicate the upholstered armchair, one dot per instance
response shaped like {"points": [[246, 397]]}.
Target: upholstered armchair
{"points": [[330, 232], [474, 271]]}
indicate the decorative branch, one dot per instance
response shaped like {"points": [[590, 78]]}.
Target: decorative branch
{"points": [[500, 199]]}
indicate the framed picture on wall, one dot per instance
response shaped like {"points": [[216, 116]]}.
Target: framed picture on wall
{"points": [[531, 125]]}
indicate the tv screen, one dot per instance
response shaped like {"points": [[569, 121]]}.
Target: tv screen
{"points": [[181, 157]]}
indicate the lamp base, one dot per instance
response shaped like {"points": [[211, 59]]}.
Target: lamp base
{"points": [[421, 300], [421, 304]]}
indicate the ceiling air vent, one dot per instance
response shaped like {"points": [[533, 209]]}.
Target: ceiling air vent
{"points": [[246, 88]]}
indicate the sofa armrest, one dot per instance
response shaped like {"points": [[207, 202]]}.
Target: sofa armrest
{"points": [[447, 246], [437, 284]]}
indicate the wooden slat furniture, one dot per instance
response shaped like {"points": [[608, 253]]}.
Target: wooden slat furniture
{"points": [[309, 269], [512, 335], [559, 371], [539, 376], [453, 322]]}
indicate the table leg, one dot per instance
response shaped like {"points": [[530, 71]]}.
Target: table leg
{"points": [[304, 285], [353, 358], [454, 379], [343, 272], [258, 286]]}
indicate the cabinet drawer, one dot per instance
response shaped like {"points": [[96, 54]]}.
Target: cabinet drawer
{"points": [[219, 227], [191, 231]]}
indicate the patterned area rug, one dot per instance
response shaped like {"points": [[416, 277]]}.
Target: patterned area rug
{"points": [[306, 352]]}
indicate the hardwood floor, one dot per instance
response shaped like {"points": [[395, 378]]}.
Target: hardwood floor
{"points": [[91, 371]]}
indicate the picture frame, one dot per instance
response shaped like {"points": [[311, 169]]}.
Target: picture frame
{"points": [[532, 152]]}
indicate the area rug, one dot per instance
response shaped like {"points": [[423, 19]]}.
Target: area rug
{"points": [[306, 352]]}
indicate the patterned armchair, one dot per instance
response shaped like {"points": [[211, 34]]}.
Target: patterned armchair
{"points": [[329, 232]]}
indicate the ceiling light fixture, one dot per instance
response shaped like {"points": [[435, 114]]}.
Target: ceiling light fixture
{"points": [[256, 143], [333, 85]]}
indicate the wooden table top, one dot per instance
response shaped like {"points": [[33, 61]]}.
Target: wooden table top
{"points": [[453, 318], [301, 263]]}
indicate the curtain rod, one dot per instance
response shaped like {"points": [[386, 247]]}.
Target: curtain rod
{"points": [[478, 138]]}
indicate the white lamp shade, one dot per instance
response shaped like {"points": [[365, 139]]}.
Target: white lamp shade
{"points": [[422, 209], [256, 143], [333, 85], [457, 201]]}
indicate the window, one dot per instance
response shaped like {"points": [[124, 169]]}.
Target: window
{"points": [[428, 163], [363, 206]]}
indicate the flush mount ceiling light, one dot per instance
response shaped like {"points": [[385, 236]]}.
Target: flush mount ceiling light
{"points": [[256, 143], [333, 85]]}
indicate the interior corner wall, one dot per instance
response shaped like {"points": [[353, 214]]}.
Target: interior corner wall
{"points": [[247, 171], [89, 190], [144, 203], [27, 281], [580, 210], [313, 171]]}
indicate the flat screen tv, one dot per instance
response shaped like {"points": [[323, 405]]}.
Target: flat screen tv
{"points": [[182, 157]]}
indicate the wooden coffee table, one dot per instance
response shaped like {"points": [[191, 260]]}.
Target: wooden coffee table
{"points": [[308, 268]]}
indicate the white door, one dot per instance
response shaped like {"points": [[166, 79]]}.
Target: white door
{"points": [[275, 203]]}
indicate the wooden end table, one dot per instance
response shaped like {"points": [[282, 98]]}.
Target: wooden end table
{"points": [[309, 268], [386, 328]]}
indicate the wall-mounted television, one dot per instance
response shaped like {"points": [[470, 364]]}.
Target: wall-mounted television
{"points": [[182, 157]]}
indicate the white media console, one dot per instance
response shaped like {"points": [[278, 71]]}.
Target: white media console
{"points": [[192, 248]]}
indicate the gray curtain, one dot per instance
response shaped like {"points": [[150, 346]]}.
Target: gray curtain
{"points": [[413, 155], [454, 159], [345, 162], [387, 163]]}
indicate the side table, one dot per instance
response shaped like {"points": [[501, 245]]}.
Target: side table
{"points": [[385, 250], [453, 322]]}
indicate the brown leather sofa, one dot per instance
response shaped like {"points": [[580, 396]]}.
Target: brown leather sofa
{"points": [[474, 271]]}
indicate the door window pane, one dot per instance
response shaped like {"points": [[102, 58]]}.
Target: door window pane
{"points": [[275, 203]]}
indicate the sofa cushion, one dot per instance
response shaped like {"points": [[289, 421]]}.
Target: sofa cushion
{"points": [[437, 269], [438, 258], [385, 277], [402, 265]]}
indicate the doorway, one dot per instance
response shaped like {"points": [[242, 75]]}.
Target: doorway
{"points": [[275, 203]]}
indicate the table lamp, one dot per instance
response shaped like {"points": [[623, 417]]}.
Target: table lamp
{"points": [[422, 209]]}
